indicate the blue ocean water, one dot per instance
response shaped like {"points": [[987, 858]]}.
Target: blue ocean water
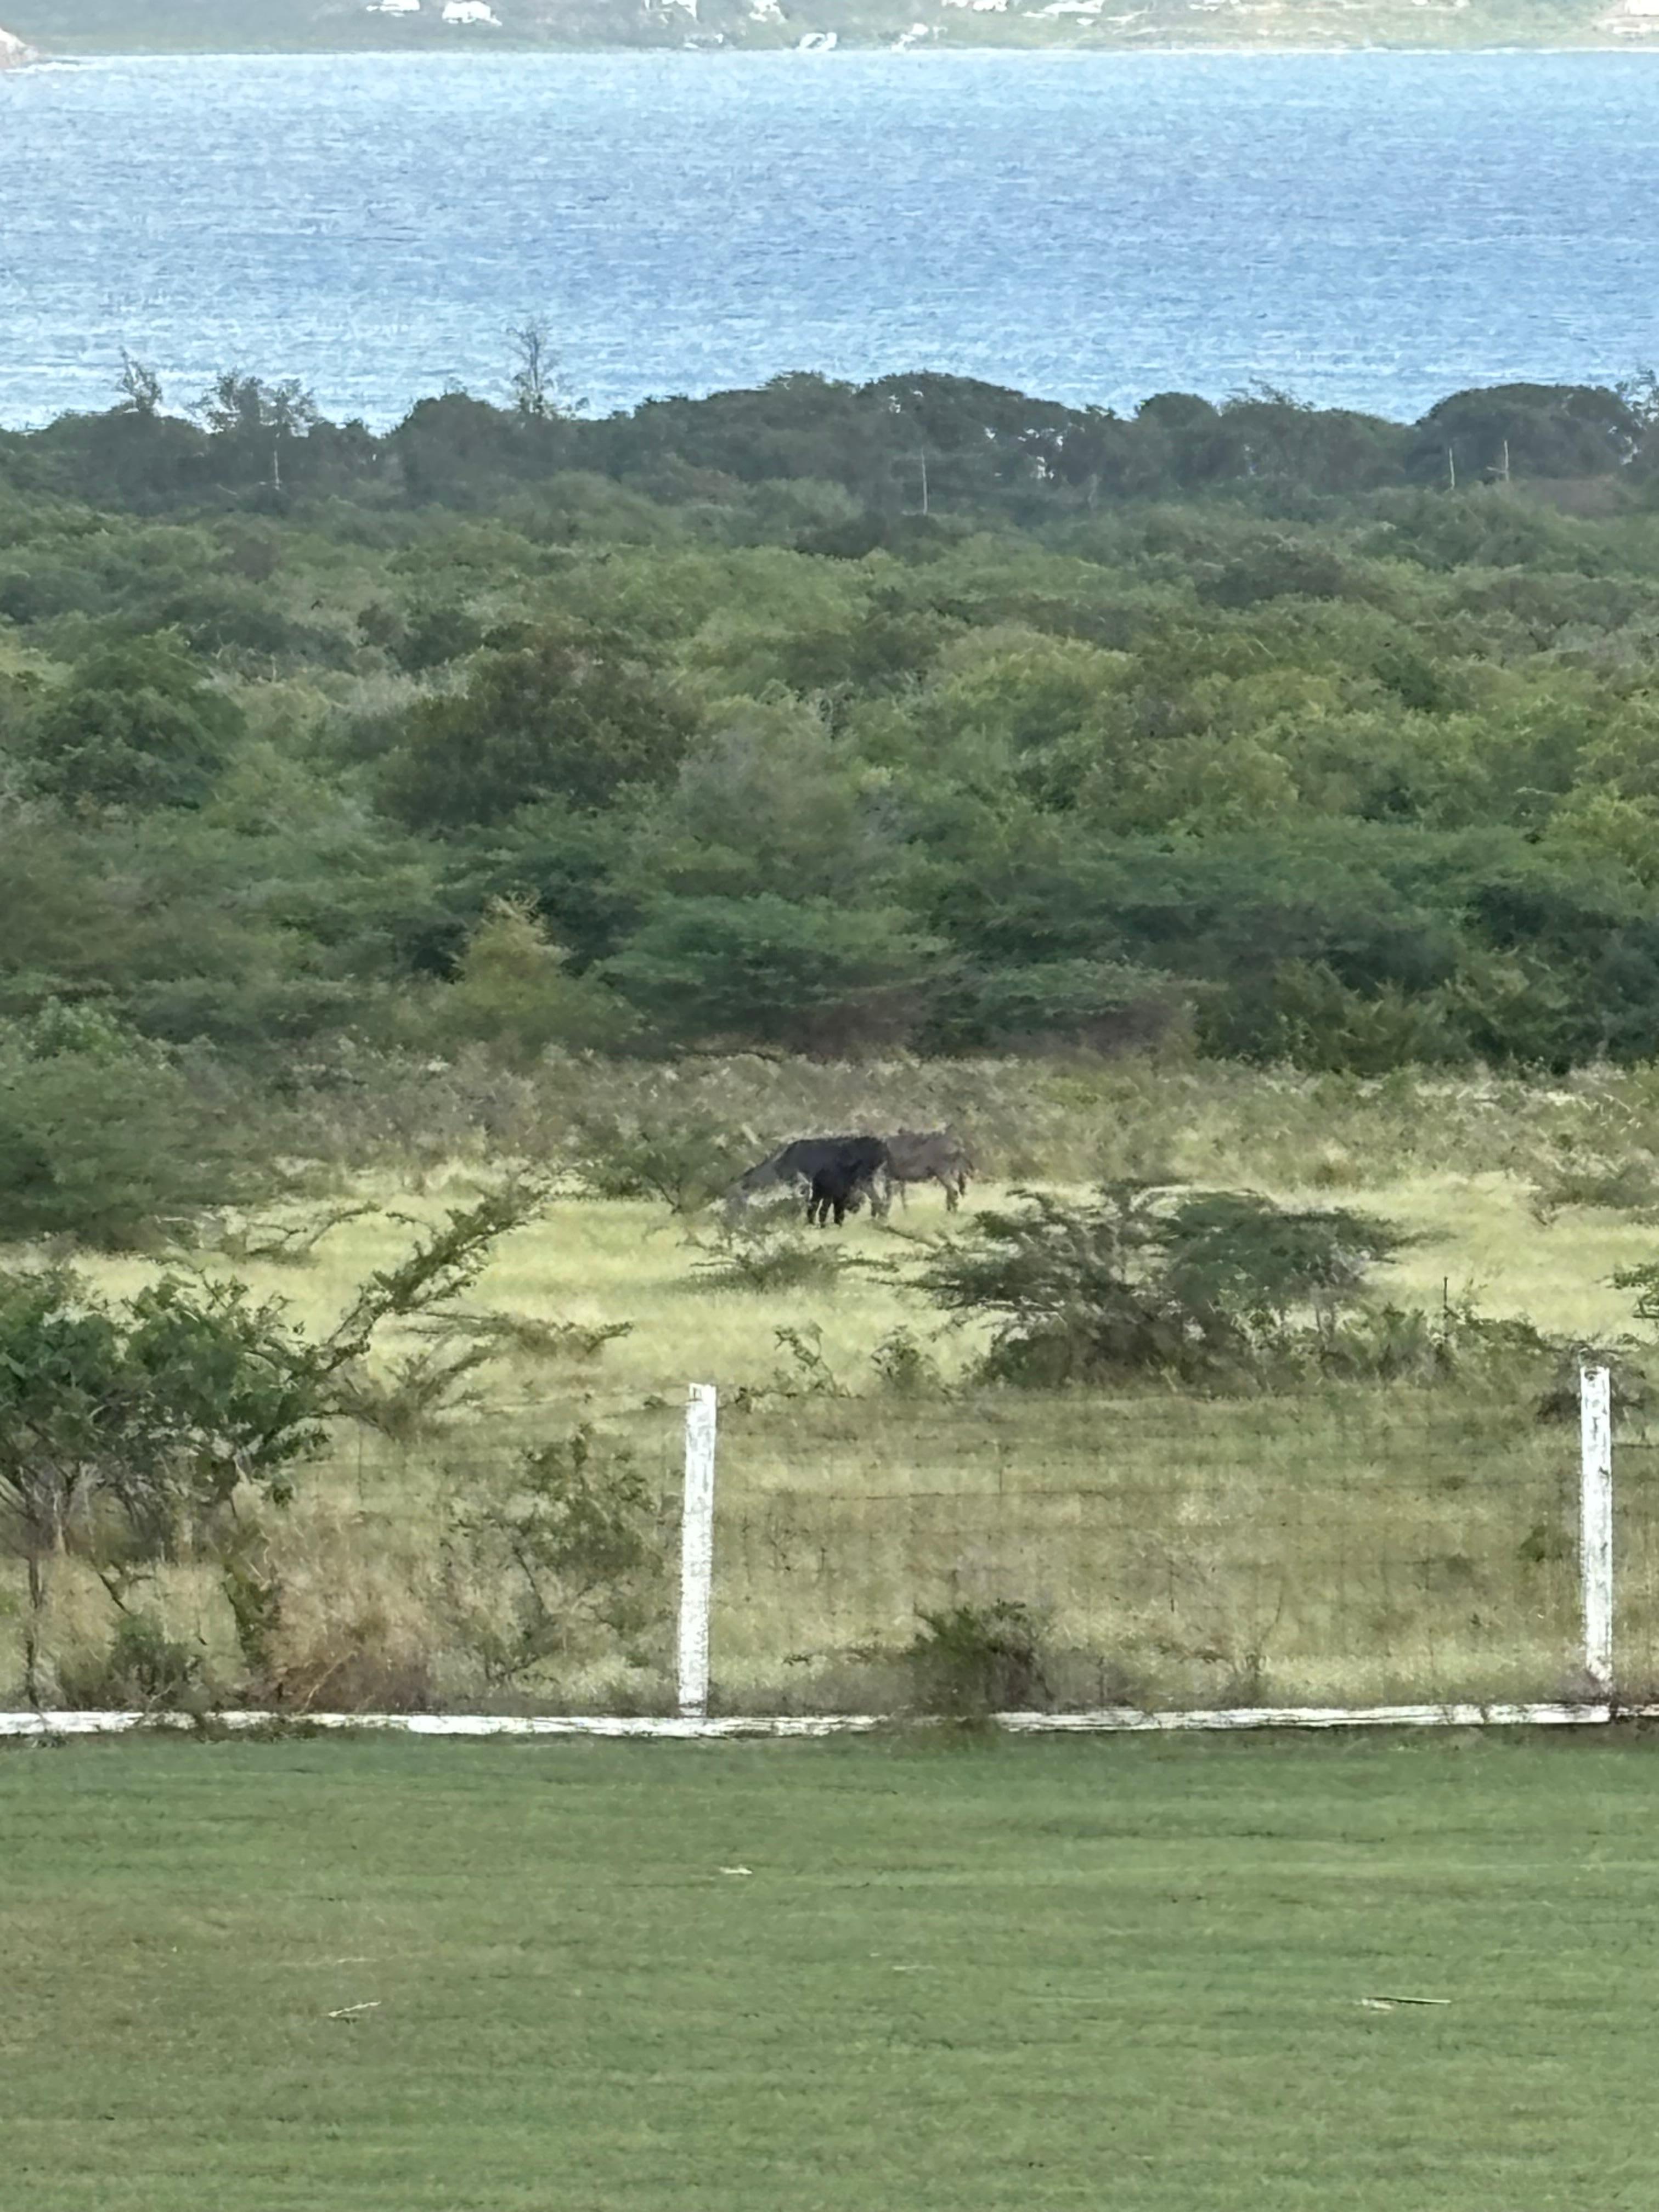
{"points": [[1364, 229]]}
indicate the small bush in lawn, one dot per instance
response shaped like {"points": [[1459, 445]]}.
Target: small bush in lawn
{"points": [[1643, 1279], [972, 1661], [1630, 1185], [809, 1374]]}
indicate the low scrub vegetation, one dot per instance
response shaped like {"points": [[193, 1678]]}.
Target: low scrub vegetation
{"points": [[976, 1660], [1245, 841], [569, 1553], [1233, 731], [1210, 1289]]}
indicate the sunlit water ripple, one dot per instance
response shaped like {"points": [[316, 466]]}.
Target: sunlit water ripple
{"points": [[1366, 229]]}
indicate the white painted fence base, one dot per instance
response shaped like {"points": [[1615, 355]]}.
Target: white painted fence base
{"points": [[1109, 1720]]}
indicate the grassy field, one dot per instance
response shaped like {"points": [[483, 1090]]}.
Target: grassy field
{"points": [[1341, 1544], [858, 1978]]}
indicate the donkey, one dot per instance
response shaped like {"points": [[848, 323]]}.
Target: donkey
{"points": [[850, 1166], [928, 1156]]}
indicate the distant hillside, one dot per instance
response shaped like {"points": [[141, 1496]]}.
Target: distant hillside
{"points": [[91, 27]]}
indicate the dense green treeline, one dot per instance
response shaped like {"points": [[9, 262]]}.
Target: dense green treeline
{"points": [[922, 716]]}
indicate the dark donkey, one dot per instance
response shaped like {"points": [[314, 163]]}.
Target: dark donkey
{"points": [[846, 1176], [838, 1171]]}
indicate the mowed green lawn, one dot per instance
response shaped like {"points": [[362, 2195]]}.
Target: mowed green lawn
{"points": [[868, 1976]]}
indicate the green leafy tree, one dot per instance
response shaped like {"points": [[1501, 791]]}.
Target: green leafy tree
{"points": [[515, 992], [118, 1425], [138, 725], [108, 1137], [809, 973], [575, 715]]}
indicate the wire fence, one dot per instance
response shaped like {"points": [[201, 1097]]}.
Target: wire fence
{"points": [[1635, 1659], [1352, 1548], [1344, 1548]]}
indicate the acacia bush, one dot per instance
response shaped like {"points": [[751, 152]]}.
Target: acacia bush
{"points": [[762, 1257], [128, 1429], [123, 1429], [1143, 1280], [687, 1161], [1620, 1184]]}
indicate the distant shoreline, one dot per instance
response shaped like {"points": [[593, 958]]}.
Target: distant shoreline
{"points": [[108, 30], [522, 49]]}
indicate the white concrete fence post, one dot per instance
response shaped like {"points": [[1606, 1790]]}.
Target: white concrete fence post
{"points": [[1595, 1521], [697, 1550]]}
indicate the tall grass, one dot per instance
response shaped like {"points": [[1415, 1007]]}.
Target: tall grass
{"points": [[1341, 1544]]}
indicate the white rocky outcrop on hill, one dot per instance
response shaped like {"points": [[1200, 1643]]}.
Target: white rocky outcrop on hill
{"points": [[13, 52]]}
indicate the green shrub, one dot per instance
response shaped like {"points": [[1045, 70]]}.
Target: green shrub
{"points": [[1146, 1280], [108, 1137], [434, 633], [754, 1256], [687, 1163], [137, 725], [972, 1661], [906, 1367], [124, 1428], [808, 1373], [1627, 1185], [143, 1669], [566, 1554]]}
